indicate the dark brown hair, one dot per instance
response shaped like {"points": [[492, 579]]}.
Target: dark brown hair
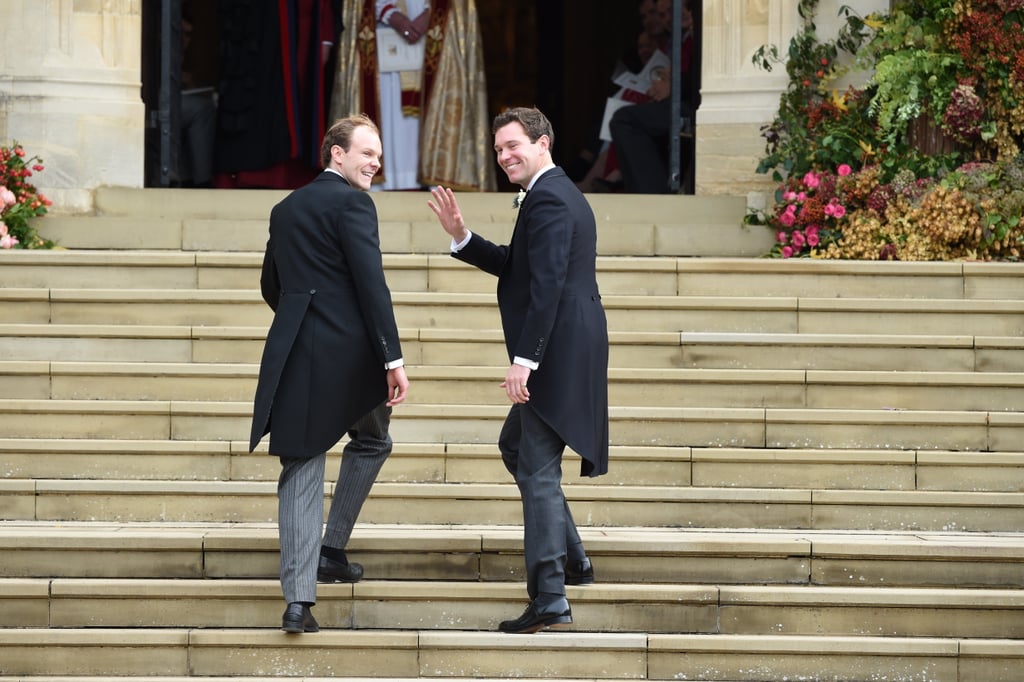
{"points": [[533, 121]]}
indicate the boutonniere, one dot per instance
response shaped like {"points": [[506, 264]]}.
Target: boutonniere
{"points": [[518, 201]]}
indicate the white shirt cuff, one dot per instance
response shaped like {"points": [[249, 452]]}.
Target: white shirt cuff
{"points": [[458, 247], [394, 364], [525, 363]]}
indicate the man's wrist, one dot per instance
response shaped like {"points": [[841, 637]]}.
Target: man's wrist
{"points": [[386, 12], [460, 244]]}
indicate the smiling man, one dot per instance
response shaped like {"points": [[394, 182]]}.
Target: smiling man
{"points": [[556, 336], [332, 363]]}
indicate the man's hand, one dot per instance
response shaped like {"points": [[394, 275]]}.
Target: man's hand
{"points": [[422, 22], [405, 27], [447, 211], [515, 383], [398, 386]]}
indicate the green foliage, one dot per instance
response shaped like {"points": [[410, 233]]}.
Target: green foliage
{"points": [[810, 129], [914, 71]]}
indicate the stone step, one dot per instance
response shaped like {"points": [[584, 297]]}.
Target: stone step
{"points": [[466, 385], [487, 554], [594, 505], [254, 678], [461, 347], [201, 344], [78, 459], [570, 655], [742, 427], [241, 271], [878, 352], [469, 606], [220, 307], [225, 220], [828, 469], [630, 275]]}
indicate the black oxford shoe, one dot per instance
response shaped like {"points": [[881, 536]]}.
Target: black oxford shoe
{"points": [[536, 618], [298, 618], [579, 572], [331, 571]]}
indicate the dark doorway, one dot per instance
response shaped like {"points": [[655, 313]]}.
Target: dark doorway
{"points": [[562, 53], [555, 54]]}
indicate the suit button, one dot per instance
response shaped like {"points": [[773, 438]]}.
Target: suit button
{"points": [[312, 291]]}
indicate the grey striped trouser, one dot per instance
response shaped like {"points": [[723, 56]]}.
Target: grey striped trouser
{"points": [[300, 500]]}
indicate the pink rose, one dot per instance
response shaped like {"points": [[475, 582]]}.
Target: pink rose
{"points": [[811, 179], [7, 241], [835, 209], [789, 196], [813, 239], [787, 218], [7, 196], [844, 169], [781, 237], [787, 251], [812, 229], [798, 239]]}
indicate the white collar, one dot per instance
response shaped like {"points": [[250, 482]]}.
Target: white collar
{"points": [[541, 172]]}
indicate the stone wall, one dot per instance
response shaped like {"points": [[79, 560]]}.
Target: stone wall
{"points": [[70, 93]]}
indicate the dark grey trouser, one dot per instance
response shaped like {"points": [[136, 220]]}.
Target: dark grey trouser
{"points": [[532, 452], [300, 502]]}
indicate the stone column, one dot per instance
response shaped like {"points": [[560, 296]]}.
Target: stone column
{"points": [[70, 92], [737, 97]]}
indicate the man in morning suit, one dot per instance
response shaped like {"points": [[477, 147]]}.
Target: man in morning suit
{"points": [[332, 363], [556, 336]]}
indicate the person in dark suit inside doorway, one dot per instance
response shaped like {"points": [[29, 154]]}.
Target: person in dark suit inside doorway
{"points": [[332, 363], [640, 133], [556, 335]]}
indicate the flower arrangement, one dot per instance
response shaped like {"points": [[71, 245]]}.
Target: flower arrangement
{"points": [[973, 212], [20, 201], [988, 36], [807, 213], [925, 160]]}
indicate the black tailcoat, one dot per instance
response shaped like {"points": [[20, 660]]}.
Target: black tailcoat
{"points": [[334, 327], [551, 312]]}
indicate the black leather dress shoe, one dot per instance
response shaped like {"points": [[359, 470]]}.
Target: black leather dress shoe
{"points": [[579, 572], [298, 618], [536, 618], [331, 571]]}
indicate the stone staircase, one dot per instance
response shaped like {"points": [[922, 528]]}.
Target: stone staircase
{"points": [[815, 466]]}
